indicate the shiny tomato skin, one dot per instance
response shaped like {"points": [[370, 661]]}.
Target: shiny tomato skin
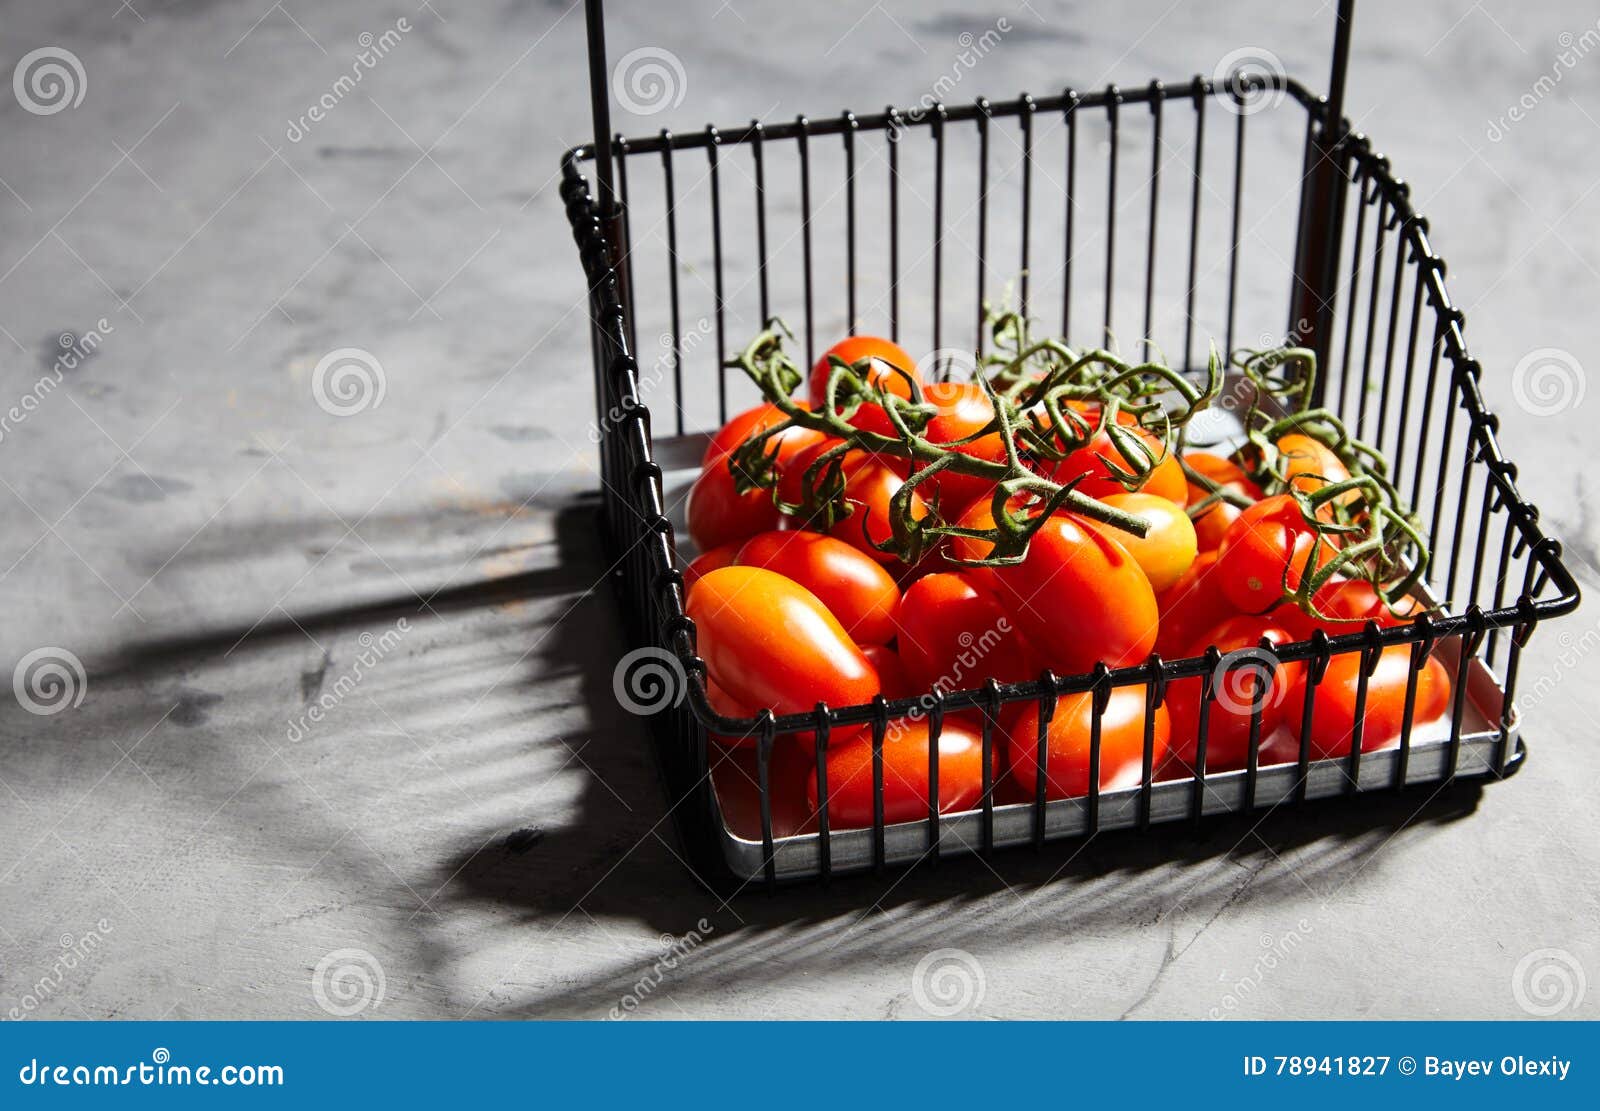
{"points": [[869, 490], [770, 643], [1228, 734], [891, 670], [955, 635], [964, 410], [1167, 550], [1079, 598], [1191, 605], [1212, 525], [1333, 714], [719, 515], [722, 556], [791, 481], [1068, 744], [905, 774], [1166, 480], [750, 422], [1309, 464], [1264, 553], [885, 354], [856, 589]]}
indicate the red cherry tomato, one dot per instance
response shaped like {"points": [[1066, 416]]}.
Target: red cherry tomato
{"points": [[719, 515], [1212, 525], [1167, 550], [1333, 715], [1264, 553], [1309, 464], [905, 774], [1191, 605], [1068, 744], [1237, 690], [964, 410], [887, 358], [769, 642], [1089, 461], [1078, 597], [955, 635], [868, 490], [709, 561], [753, 421], [856, 589], [891, 671]]}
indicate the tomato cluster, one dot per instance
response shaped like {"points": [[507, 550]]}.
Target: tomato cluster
{"points": [[791, 611]]}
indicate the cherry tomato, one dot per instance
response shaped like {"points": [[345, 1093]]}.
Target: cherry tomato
{"points": [[1167, 550], [1333, 715], [770, 643], [856, 589], [1068, 739], [719, 515], [709, 561], [1264, 553], [868, 490], [1309, 464], [954, 635], [1191, 605], [1077, 596], [891, 671], [753, 421], [1237, 690], [791, 481], [905, 774], [1212, 525], [1167, 480], [885, 356], [964, 409]]}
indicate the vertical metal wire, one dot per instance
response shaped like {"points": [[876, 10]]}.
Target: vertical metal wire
{"points": [[1028, 109], [938, 225], [758, 132], [672, 277], [1070, 118], [1238, 216], [894, 223], [805, 235], [983, 220], [713, 148], [1155, 207], [1114, 99], [851, 125], [1200, 99]]}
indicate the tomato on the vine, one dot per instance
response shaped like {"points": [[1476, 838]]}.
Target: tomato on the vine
{"points": [[1237, 690], [888, 359], [905, 774], [1264, 553], [955, 635], [719, 514], [721, 556], [1212, 525], [1333, 715], [1068, 747], [1309, 464], [963, 410], [770, 643], [1078, 597], [751, 422], [1167, 550], [856, 589], [869, 489], [1090, 462]]}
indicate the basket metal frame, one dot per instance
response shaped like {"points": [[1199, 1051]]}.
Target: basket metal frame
{"points": [[1338, 162]]}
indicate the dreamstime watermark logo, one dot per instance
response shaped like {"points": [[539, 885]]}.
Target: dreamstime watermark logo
{"points": [[677, 948], [1547, 381], [49, 680], [374, 48], [374, 647], [948, 982], [1275, 952], [347, 982], [1574, 49], [673, 350], [75, 351], [649, 80], [348, 381], [75, 952], [49, 80], [1242, 677], [648, 680], [972, 49], [1253, 77], [1549, 981]]}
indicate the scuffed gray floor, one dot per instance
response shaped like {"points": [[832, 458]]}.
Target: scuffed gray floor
{"points": [[476, 826]]}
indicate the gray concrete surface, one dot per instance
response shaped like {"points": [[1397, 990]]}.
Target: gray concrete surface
{"points": [[475, 826]]}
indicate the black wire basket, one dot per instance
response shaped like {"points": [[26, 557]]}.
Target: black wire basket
{"points": [[1133, 208]]}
